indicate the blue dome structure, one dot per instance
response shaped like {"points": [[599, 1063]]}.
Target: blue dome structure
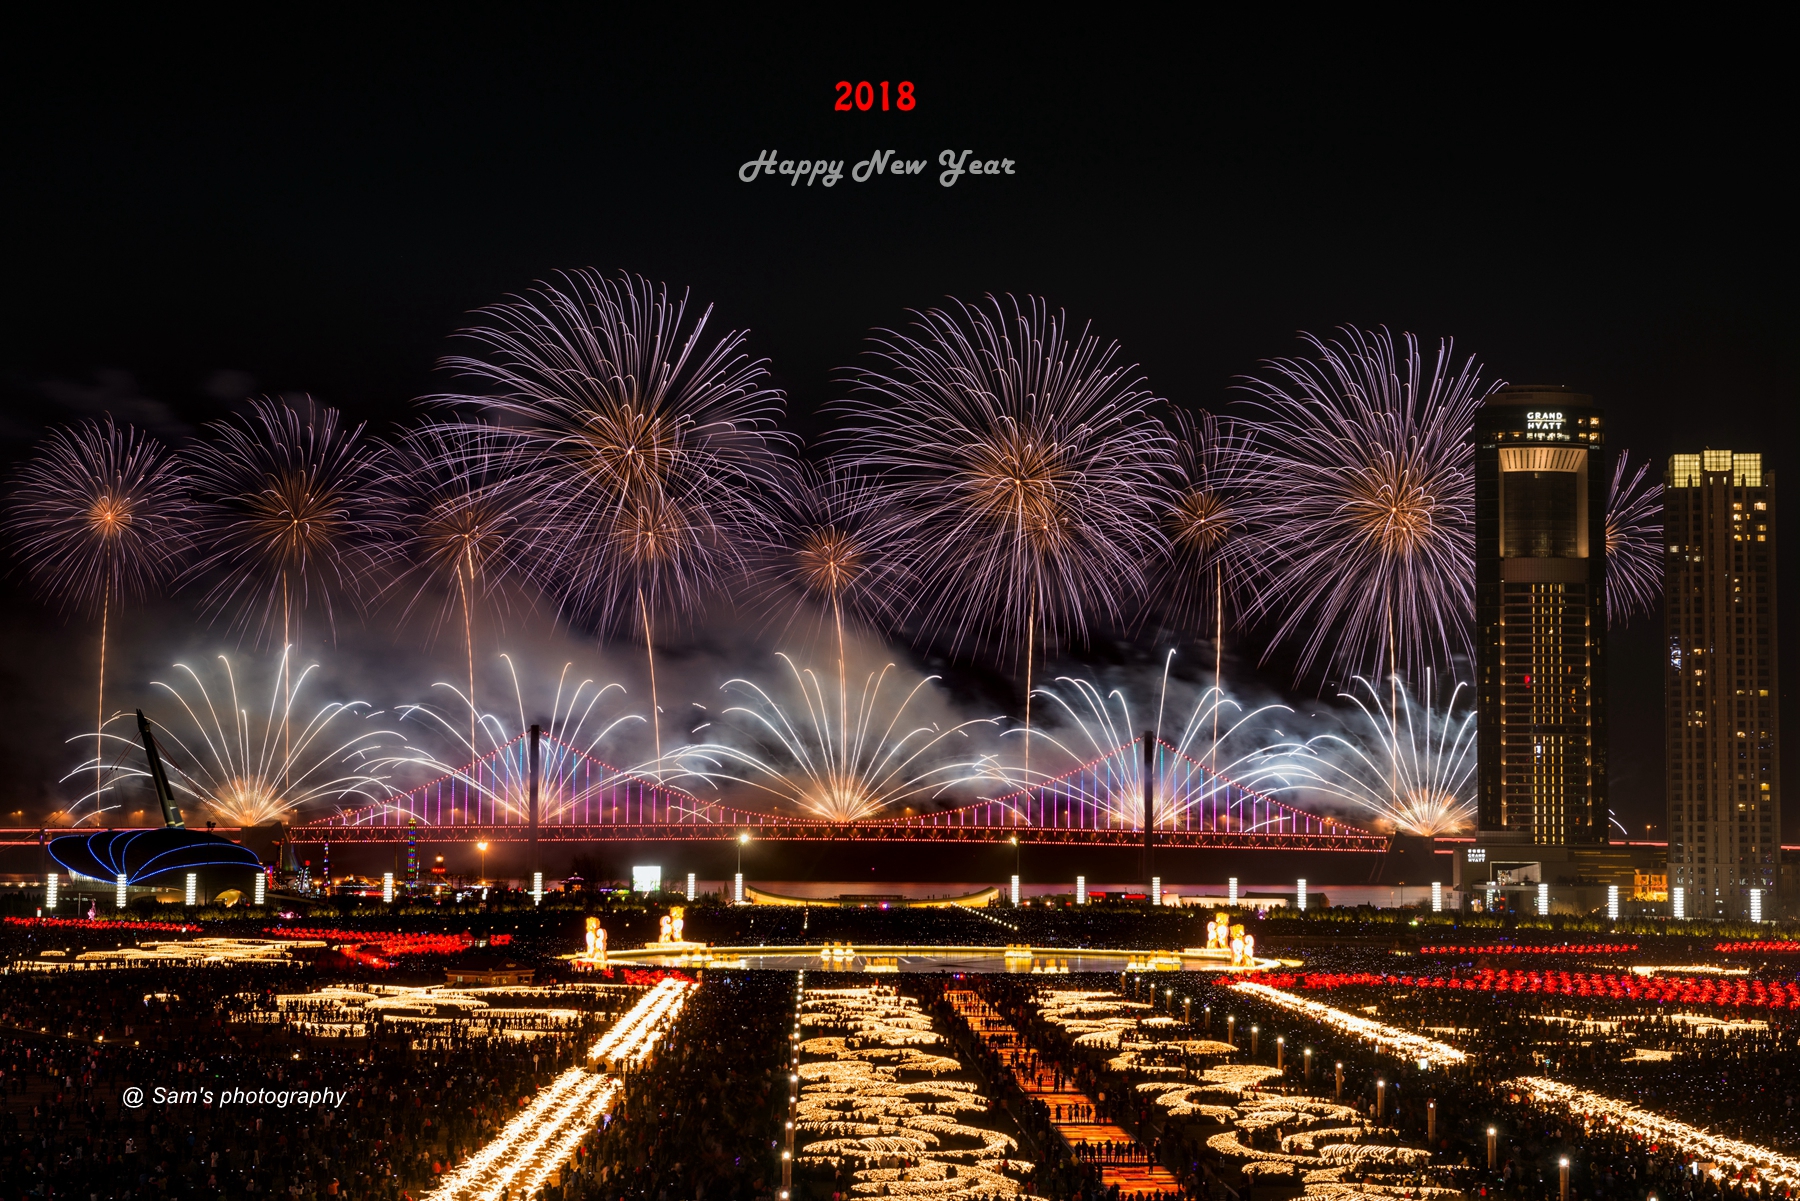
{"points": [[148, 858]]}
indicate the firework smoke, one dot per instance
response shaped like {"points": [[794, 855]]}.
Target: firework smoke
{"points": [[1367, 502], [1409, 766], [1101, 725], [504, 779], [244, 767], [1634, 554], [828, 757]]}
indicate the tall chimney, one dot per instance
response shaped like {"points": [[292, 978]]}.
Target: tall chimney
{"points": [[536, 734], [1149, 806]]}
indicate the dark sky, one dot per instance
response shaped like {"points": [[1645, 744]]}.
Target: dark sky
{"points": [[198, 210]]}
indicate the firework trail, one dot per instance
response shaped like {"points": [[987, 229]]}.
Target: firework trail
{"points": [[100, 514], [1367, 506], [1021, 473], [294, 514], [1213, 552], [1634, 556], [503, 779], [1410, 766], [807, 756], [642, 451], [249, 768], [1205, 768], [462, 526]]}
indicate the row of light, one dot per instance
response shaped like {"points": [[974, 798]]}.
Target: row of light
{"points": [[1678, 903], [534, 1144], [1769, 1165], [53, 889], [632, 1036], [530, 1148], [1403, 1043], [1231, 892]]}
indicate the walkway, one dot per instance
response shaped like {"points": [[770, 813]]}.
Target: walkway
{"points": [[1072, 1112]]}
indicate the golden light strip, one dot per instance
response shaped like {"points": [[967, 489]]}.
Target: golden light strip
{"points": [[636, 1031], [1769, 1165], [1402, 1043], [530, 1148]]}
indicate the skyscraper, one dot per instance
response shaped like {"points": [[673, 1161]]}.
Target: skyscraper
{"points": [[1540, 616], [1720, 684]]}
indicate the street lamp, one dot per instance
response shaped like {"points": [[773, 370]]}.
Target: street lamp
{"points": [[482, 847], [1380, 1098], [1492, 1149], [1562, 1172]]}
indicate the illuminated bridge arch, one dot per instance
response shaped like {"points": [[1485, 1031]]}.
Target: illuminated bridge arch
{"points": [[583, 799]]}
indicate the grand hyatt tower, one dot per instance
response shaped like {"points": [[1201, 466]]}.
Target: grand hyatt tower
{"points": [[1540, 616]]}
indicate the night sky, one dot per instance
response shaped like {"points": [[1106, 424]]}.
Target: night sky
{"points": [[199, 212]]}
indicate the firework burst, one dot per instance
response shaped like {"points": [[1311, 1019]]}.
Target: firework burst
{"points": [[1634, 559], [100, 515], [1367, 509], [1020, 471], [1205, 766], [249, 767], [836, 759], [1213, 556], [578, 728], [294, 513], [642, 450], [1409, 766]]}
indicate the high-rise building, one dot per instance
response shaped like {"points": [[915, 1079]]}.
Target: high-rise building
{"points": [[1540, 616], [1720, 684]]}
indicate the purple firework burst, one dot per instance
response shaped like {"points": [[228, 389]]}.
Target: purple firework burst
{"points": [[1366, 504], [1634, 561], [1021, 473]]}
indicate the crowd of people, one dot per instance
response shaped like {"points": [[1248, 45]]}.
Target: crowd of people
{"points": [[700, 1119], [376, 1117]]}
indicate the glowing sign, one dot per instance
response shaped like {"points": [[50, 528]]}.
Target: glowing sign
{"points": [[1477, 855], [1544, 419]]}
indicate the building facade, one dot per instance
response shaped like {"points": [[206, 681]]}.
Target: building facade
{"points": [[1541, 474], [1720, 686]]}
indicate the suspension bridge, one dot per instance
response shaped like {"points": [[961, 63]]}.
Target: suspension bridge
{"points": [[541, 789]]}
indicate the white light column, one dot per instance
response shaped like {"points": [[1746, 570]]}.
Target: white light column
{"points": [[1543, 900], [690, 891], [537, 888], [193, 889], [1231, 891], [1437, 896], [1300, 894], [119, 886], [1612, 902], [52, 885], [1015, 890], [1678, 902], [1156, 890], [262, 886], [737, 889], [1756, 904], [1081, 890], [387, 886]]}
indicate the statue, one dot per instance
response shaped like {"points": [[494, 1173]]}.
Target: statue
{"points": [[1218, 932], [1243, 947], [676, 915], [663, 929], [596, 937]]}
